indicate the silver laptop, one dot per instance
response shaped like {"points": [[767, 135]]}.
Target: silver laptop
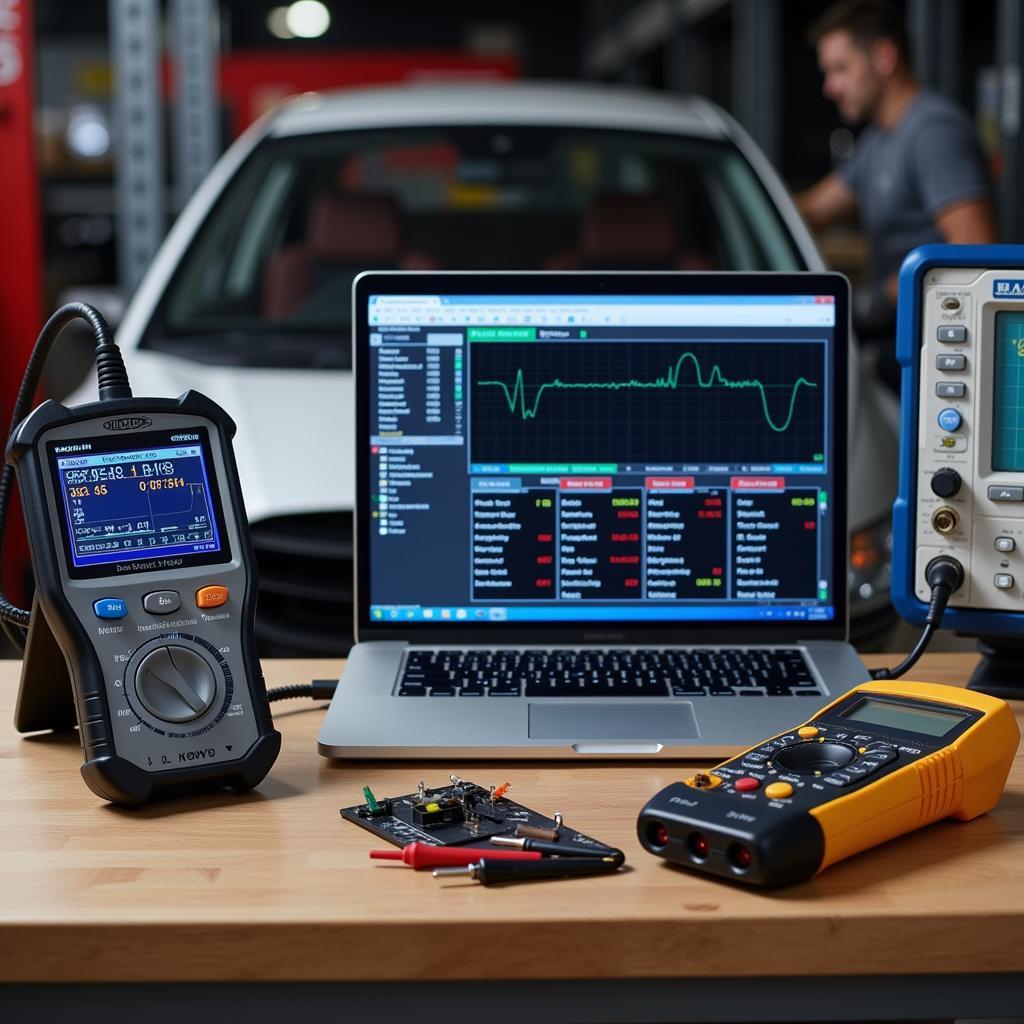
{"points": [[598, 515]]}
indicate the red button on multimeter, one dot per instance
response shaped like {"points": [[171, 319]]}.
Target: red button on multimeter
{"points": [[746, 784]]}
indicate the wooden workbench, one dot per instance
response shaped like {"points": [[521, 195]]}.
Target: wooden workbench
{"points": [[275, 887]]}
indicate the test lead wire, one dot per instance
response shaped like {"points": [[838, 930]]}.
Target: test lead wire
{"points": [[561, 849], [496, 872]]}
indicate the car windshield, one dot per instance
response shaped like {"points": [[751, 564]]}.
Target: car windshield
{"points": [[267, 279]]}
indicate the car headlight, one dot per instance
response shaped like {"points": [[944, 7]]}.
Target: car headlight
{"points": [[870, 574]]}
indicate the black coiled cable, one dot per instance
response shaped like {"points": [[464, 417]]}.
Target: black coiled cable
{"points": [[112, 378]]}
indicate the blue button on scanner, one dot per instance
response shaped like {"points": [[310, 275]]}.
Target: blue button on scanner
{"points": [[110, 608], [950, 419]]}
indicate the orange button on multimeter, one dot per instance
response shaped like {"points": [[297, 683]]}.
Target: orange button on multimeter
{"points": [[211, 597], [882, 760]]}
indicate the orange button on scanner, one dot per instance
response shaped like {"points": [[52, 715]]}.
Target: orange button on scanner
{"points": [[807, 732], [211, 597], [778, 791]]}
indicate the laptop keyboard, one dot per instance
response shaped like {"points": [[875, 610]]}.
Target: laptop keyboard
{"points": [[717, 672]]}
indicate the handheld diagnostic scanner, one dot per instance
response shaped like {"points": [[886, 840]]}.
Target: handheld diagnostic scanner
{"points": [[960, 345], [145, 595], [884, 759]]}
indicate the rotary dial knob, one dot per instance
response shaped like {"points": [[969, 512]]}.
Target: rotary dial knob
{"points": [[945, 482], [175, 684], [807, 758]]}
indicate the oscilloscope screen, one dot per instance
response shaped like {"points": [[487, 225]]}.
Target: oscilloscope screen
{"points": [[662, 400]]}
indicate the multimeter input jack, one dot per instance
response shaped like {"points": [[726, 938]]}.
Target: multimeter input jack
{"points": [[657, 834], [698, 845], [944, 520], [740, 857]]}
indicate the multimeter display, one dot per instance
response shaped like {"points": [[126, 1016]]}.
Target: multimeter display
{"points": [[926, 721], [126, 505]]}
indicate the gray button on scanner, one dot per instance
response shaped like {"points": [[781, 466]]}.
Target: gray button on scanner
{"points": [[951, 362], [950, 389], [161, 602], [1005, 544], [952, 333], [997, 493], [1003, 581]]}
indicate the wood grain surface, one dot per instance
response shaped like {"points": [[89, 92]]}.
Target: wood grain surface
{"points": [[274, 885]]}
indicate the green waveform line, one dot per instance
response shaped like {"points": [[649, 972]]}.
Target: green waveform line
{"points": [[515, 396]]}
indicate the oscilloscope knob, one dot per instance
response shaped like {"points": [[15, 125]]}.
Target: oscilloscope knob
{"points": [[946, 482], [175, 684]]}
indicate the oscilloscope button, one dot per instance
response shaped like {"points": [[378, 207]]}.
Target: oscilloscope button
{"points": [[1005, 544], [952, 334], [951, 362], [998, 493], [945, 482], [950, 419]]}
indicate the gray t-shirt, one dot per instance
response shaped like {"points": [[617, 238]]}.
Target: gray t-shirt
{"points": [[905, 177]]}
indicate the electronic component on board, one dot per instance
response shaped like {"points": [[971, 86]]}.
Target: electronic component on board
{"points": [[373, 809], [446, 810]]}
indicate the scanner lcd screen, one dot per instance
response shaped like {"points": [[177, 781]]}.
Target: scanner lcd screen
{"points": [[905, 717], [124, 505]]}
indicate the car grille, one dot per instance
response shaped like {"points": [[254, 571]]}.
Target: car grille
{"points": [[305, 566]]}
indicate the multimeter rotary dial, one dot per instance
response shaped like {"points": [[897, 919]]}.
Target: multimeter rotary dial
{"points": [[178, 680], [175, 684], [808, 758]]}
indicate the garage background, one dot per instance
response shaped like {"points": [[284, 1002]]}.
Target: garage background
{"points": [[112, 113]]}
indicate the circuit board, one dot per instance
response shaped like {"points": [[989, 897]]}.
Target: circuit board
{"points": [[406, 819]]}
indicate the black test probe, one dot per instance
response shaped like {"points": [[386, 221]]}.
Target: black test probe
{"points": [[495, 872]]}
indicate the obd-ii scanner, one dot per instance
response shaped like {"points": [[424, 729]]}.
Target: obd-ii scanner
{"points": [[882, 760], [146, 587]]}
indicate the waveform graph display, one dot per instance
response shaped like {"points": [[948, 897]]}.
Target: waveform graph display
{"points": [[1008, 394], [668, 401]]}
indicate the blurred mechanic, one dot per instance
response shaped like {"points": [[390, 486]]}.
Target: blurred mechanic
{"points": [[917, 173]]}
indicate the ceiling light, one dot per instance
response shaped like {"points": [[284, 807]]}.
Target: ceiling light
{"points": [[88, 135], [308, 19], [277, 23]]}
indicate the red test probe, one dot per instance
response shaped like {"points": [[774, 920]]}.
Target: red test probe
{"points": [[423, 855]]}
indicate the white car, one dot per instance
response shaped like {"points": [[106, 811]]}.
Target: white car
{"points": [[248, 299]]}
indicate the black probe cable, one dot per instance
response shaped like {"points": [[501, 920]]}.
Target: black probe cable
{"points": [[318, 689], [112, 378], [945, 576]]}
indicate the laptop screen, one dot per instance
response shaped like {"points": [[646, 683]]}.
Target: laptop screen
{"points": [[602, 458]]}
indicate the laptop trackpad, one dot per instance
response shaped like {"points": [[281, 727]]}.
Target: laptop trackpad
{"points": [[622, 720]]}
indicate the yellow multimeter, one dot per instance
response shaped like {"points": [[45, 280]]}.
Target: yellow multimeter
{"points": [[884, 759]]}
